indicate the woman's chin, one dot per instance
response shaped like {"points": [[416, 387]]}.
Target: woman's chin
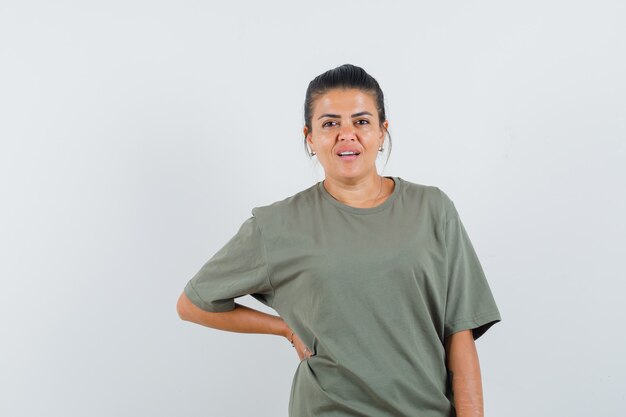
{"points": [[348, 173]]}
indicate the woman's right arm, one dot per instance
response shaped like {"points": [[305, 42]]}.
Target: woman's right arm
{"points": [[241, 320]]}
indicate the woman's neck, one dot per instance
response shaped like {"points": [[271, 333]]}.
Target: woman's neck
{"points": [[361, 193]]}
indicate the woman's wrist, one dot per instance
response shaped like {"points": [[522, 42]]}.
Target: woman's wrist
{"points": [[283, 329]]}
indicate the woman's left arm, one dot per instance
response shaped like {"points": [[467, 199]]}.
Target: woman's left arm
{"points": [[462, 363]]}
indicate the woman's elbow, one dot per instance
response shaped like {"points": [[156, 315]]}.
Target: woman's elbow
{"points": [[182, 307]]}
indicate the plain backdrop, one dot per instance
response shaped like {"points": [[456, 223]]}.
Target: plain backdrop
{"points": [[136, 136]]}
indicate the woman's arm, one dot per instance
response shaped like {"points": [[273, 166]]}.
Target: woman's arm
{"points": [[241, 320], [462, 362]]}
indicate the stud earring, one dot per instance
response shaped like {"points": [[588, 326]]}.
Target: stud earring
{"points": [[380, 149], [312, 153]]}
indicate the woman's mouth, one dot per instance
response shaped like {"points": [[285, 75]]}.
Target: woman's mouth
{"points": [[348, 156]]}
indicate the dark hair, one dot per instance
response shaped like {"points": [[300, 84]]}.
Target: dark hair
{"points": [[344, 76]]}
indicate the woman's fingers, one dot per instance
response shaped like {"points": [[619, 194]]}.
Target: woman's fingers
{"points": [[302, 350]]}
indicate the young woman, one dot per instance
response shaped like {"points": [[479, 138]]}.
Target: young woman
{"points": [[374, 278]]}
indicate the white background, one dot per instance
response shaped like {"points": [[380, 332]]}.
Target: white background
{"points": [[136, 136]]}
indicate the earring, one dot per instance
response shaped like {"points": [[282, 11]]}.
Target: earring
{"points": [[312, 153], [380, 149]]}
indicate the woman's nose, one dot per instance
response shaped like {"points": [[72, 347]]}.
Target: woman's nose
{"points": [[347, 132]]}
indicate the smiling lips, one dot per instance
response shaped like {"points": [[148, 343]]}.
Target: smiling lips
{"points": [[348, 154]]}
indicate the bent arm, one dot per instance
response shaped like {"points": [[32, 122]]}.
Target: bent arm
{"points": [[241, 320], [462, 362]]}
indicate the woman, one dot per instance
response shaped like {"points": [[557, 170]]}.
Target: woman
{"points": [[375, 280]]}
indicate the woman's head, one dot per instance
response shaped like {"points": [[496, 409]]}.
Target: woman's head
{"points": [[345, 107]]}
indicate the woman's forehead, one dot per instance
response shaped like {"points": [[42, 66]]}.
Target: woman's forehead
{"points": [[345, 100]]}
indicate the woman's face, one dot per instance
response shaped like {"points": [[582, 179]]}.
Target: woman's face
{"points": [[342, 120]]}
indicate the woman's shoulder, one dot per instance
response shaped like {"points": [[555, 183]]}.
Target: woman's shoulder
{"points": [[427, 190], [281, 211], [431, 195], [423, 191]]}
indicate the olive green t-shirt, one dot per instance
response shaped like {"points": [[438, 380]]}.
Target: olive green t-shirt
{"points": [[373, 292]]}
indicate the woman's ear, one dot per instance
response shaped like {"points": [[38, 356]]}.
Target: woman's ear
{"points": [[383, 128], [307, 135]]}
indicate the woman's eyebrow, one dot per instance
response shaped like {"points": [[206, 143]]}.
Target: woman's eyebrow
{"points": [[362, 113]]}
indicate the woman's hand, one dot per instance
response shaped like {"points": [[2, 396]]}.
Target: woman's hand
{"points": [[302, 350]]}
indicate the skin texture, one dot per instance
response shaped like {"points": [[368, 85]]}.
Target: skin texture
{"points": [[241, 320], [462, 361], [358, 184]]}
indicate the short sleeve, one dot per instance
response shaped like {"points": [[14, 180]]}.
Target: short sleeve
{"points": [[239, 268], [470, 303]]}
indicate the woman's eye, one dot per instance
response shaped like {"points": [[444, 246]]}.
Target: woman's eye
{"points": [[327, 124], [364, 122]]}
